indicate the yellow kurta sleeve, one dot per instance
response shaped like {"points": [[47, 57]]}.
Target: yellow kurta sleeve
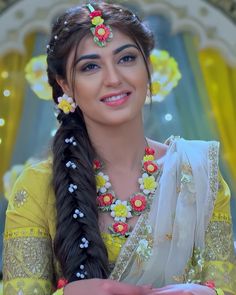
{"points": [[220, 262], [28, 255]]}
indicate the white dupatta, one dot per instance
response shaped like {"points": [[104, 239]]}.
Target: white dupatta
{"points": [[163, 240]]}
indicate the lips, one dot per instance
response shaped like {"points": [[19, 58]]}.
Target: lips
{"points": [[113, 97]]}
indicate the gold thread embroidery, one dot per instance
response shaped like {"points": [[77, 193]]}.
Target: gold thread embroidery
{"points": [[213, 154], [222, 273], [20, 198], [27, 257], [26, 232], [26, 287], [219, 242], [219, 216]]}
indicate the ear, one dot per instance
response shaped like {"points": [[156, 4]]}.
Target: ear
{"points": [[64, 85]]}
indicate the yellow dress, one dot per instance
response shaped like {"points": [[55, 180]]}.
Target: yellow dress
{"points": [[29, 263]]}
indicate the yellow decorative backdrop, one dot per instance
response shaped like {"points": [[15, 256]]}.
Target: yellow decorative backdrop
{"points": [[220, 81]]}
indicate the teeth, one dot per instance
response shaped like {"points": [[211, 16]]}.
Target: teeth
{"points": [[114, 98]]}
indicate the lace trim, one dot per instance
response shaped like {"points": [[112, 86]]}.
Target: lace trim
{"points": [[127, 251], [27, 257]]}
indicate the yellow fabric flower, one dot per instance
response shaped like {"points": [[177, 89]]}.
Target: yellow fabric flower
{"points": [[156, 86], [97, 20], [148, 158], [121, 210], [149, 183], [65, 106], [100, 181]]}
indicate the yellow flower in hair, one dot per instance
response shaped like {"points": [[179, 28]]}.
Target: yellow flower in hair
{"points": [[97, 20], [148, 158]]}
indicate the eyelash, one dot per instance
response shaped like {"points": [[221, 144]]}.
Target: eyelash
{"points": [[126, 59]]}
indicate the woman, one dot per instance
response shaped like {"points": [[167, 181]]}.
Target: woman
{"points": [[114, 212]]}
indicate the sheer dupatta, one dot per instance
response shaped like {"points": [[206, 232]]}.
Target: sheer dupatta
{"points": [[163, 240]]}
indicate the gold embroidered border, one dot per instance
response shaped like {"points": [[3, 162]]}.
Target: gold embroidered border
{"points": [[219, 216], [28, 257], [26, 232], [127, 251], [213, 155]]}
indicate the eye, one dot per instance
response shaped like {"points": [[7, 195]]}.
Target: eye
{"points": [[89, 67], [127, 59]]}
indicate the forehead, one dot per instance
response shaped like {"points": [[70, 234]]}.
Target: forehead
{"points": [[88, 46]]}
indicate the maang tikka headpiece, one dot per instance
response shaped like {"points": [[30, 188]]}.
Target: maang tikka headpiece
{"points": [[102, 33]]}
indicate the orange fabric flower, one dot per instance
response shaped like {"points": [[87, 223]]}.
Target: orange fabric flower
{"points": [[105, 200], [138, 202], [120, 227]]}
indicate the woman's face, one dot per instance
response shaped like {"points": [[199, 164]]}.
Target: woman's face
{"points": [[110, 82]]}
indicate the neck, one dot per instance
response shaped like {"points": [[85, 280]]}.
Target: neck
{"points": [[119, 146]]}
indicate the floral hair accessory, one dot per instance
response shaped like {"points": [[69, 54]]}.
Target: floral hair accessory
{"points": [[77, 214], [84, 243], [70, 164], [66, 104], [72, 187], [81, 274], [71, 140], [102, 33]]}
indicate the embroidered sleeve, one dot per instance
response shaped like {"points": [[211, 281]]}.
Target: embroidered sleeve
{"points": [[28, 255], [220, 261]]}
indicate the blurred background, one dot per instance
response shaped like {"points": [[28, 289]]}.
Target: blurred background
{"points": [[194, 80]]}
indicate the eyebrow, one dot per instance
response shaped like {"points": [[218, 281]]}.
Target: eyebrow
{"points": [[97, 56]]}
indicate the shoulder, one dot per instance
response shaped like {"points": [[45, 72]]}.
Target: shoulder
{"points": [[35, 180]]}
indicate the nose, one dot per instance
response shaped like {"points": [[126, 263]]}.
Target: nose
{"points": [[112, 77]]}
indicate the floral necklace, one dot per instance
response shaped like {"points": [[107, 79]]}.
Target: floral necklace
{"points": [[138, 202]]}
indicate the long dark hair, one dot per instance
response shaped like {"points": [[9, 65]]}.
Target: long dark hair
{"points": [[72, 143]]}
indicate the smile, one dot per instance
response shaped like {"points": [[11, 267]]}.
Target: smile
{"points": [[116, 100]]}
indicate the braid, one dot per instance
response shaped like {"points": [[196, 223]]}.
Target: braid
{"points": [[70, 231]]}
